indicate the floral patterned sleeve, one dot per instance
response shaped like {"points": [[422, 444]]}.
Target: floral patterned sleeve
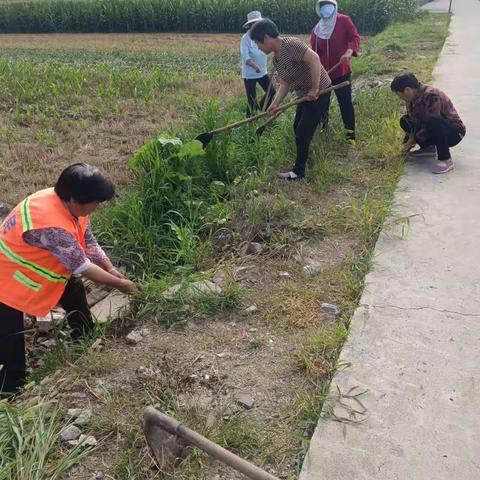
{"points": [[94, 252], [62, 245], [66, 249]]}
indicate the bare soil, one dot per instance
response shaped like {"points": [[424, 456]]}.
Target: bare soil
{"points": [[207, 365]]}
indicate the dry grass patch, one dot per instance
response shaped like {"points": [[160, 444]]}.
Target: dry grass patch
{"points": [[126, 42], [33, 155]]}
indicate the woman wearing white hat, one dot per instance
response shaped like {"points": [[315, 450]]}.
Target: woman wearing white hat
{"points": [[254, 68], [335, 39]]}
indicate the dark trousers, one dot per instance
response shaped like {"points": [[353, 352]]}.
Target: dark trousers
{"points": [[439, 132], [251, 89], [345, 102], [307, 119], [12, 342]]}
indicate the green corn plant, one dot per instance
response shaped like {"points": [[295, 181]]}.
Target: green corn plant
{"points": [[293, 16]]}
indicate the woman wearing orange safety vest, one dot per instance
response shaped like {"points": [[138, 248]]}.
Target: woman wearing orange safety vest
{"points": [[45, 244]]}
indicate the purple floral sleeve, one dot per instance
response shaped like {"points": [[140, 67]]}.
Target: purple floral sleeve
{"points": [[62, 245], [66, 249], [94, 252]]}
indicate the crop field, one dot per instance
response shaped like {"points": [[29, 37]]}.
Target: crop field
{"points": [[199, 16], [62, 104], [132, 104]]}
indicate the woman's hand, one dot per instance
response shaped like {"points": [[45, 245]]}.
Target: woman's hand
{"points": [[253, 65], [408, 145], [99, 275], [272, 110], [113, 271], [312, 95], [346, 57], [127, 287]]}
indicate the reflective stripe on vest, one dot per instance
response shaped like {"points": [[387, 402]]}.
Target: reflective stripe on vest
{"points": [[25, 215], [20, 277], [45, 273]]}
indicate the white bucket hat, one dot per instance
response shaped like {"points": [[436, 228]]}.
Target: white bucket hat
{"points": [[253, 17]]}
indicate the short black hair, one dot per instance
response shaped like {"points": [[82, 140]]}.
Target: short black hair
{"points": [[85, 184], [403, 81], [262, 28]]}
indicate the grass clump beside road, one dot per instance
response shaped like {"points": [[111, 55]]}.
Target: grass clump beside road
{"points": [[187, 216]]}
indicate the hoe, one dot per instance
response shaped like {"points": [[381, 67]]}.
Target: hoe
{"points": [[207, 137], [169, 439]]}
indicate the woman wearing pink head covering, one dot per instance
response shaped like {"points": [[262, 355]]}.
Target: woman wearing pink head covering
{"points": [[335, 39]]}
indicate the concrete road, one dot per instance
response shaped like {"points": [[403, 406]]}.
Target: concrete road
{"points": [[415, 339]]}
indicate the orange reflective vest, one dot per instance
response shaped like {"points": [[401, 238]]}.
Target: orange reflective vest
{"points": [[32, 279]]}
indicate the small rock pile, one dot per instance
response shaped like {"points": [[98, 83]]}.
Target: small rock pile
{"points": [[73, 435]]}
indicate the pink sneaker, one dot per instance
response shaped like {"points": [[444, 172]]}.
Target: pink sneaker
{"points": [[443, 167]]}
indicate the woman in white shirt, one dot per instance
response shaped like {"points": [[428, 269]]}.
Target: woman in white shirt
{"points": [[254, 69]]}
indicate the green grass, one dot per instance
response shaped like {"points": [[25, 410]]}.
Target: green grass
{"points": [[29, 442], [68, 352], [39, 92], [404, 46], [172, 62], [320, 351], [182, 307]]}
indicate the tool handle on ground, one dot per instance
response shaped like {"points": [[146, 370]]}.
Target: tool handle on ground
{"points": [[174, 427], [302, 99]]}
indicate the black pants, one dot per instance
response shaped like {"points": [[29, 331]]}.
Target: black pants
{"points": [[12, 343], [307, 119], [251, 89], [439, 132], [344, 97]]}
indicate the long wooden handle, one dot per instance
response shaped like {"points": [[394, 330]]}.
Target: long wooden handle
{"points": [[269, 91], [255, 117], [280, 110], [300, 100], [174, 427], [335, 67]]}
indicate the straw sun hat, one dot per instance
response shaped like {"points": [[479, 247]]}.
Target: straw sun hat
{"points": [[253, 17]]}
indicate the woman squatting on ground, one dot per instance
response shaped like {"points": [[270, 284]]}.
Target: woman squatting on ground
{"points": [[431, 122]]}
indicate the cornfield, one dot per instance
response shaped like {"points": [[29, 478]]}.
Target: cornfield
{"points": [[292, 16]]}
